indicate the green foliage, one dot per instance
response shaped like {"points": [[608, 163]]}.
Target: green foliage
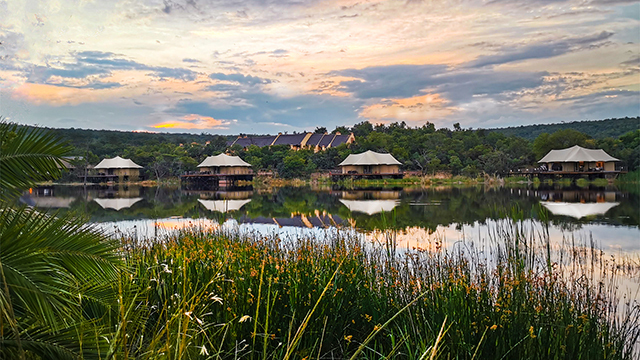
{"points": [[598, 129], [27, 155], [56, 272], [559, 140]]}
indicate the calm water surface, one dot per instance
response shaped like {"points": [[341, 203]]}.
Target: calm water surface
{"points": [[608, 217]]}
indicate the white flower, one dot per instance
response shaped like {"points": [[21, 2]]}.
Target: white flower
{"points": [[216, 298], [204, 351], [245, 318]]}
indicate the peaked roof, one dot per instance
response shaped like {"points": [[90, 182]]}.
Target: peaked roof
{"points": [[370, 158], [290, 139], [223, 160], [575, 154], [117, 163]]}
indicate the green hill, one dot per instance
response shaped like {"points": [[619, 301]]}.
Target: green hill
{"points": [[597, 129]]}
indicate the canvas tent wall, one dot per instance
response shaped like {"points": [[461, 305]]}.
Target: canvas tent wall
{"points": [[125, 169], [577, 158], [370, 162], [225, 164]]}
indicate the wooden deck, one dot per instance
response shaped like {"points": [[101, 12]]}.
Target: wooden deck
{"points": [[336, 176], [545, 174], [207, 180]]}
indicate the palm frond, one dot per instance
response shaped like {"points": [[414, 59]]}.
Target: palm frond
{"points": [[27, 156], [50, 261]]}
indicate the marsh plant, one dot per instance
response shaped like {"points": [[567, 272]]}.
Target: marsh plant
{"points": [[213, 293]]}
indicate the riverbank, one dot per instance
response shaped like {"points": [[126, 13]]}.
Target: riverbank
{"points": [[411, 181], [203, 291]]}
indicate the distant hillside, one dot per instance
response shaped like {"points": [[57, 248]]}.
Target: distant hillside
{"points": [[111, 142], [598, 129]]}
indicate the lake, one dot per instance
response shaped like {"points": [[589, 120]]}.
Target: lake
{"points": [[608, 217]]}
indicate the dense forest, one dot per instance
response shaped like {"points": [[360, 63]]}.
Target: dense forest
{"points": [[468, 152], [598, 129]]}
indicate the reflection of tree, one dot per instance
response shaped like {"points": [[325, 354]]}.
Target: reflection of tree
{"points": [[426, 208]]}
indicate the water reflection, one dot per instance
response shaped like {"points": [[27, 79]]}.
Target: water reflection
{"points": [[578, 210], [418, 212]]}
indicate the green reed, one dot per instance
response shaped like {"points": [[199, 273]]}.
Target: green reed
{"points": [[211, 293]]}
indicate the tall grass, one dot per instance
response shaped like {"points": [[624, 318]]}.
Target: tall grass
{"points": [[211, 293]]}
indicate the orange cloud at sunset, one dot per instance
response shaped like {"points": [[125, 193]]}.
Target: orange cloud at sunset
{"points": [[54, 95], [418, 108], [193, 121]]}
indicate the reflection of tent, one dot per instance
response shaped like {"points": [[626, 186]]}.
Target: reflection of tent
{"points": [[578, 210], [117, 204], [223, 205], [370, 207]]}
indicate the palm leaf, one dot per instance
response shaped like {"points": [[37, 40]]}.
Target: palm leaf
{"points": [[49, 262], [27, 156]]}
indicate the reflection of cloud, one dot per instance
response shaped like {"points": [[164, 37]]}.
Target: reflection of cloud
{"points": [[193, 121]]}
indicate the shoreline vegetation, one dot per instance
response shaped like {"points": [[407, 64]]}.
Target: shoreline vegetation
{"points": [[206, 291], [410, 181]]}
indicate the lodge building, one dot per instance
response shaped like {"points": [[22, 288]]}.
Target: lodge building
{"points": [[224, 164], [369, 164], [117, 169], [308, 140]]}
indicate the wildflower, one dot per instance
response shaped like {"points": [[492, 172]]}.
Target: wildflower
{"points": [[531, 333], [348, 338], [494, 327], [188, 314], [204, 351], [216, 298], [245, 318]]}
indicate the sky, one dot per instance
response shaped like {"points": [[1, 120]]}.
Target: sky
{"points": [[267, 66]]}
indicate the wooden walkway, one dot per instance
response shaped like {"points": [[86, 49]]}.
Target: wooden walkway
{"points": [[591, 175], [336, 176], [213, 180]]}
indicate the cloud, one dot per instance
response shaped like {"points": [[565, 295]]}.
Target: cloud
{"points": [[406, 81], [253, 109], [194, 121], [539, 50], [239, 78], [419, 108], [102, 64]]}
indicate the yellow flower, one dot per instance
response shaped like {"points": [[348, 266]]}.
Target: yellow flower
{"points": [[531, 333], [348, 338], [494, 327]]}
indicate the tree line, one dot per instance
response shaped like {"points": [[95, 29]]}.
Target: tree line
{"points": [[425, 149]]}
